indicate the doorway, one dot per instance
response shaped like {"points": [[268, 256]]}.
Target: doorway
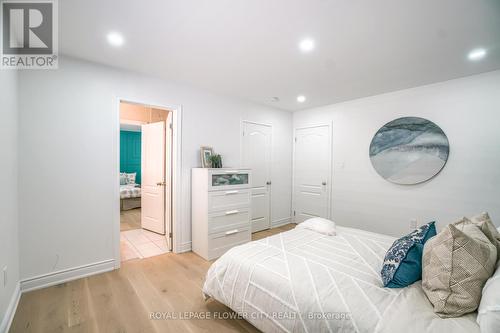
{"points": [[146, 147], [311, 172]]}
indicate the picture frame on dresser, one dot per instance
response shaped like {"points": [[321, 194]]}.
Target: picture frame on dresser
{"points": [[221, 210], [205, 153]]}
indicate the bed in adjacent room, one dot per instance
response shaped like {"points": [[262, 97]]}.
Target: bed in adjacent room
{"points": [[305, 281], [130, 196]]}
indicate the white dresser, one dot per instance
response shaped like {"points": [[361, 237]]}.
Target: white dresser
{"points": [[220, 210]]}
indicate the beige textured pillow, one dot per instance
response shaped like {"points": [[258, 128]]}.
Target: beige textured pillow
{"points": [[455, 267], [483, 221]]}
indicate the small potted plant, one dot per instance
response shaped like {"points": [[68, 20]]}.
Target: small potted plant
{"points": [[215, 161]]}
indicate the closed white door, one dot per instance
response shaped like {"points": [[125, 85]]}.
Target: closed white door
{"points": [[256, 155], [153, 177], [312, 170]]}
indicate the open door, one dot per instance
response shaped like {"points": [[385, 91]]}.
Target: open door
{"points": [[153, 177]]}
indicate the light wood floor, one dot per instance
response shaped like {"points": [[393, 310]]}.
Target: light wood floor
{"points": [[130, 219], [122, 300]]}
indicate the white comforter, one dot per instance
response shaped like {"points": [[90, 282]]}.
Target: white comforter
{"points": [[303, 281]]}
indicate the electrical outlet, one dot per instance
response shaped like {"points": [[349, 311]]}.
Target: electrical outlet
{"points": [[5, 276], [413, 224]]}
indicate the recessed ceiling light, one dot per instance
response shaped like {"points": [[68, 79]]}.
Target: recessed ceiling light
{"points": [[301, 98], [306, 45], [477, 54], [115, 39]]}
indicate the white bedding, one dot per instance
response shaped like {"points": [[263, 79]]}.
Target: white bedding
{"points": [[303, 281]]}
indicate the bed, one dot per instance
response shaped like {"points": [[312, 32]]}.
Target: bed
{"points": [[130, 196], [304, 281]]}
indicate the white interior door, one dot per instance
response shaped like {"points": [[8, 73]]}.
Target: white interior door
{"points": [[256, 155], [153, 177], [312, 170]]}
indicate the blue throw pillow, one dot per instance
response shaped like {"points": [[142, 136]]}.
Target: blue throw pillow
{"points": [[403, 261]]}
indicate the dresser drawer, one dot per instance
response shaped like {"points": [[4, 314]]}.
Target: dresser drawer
{"points": [[228, 179], [222, 221], [227, 200], [219, 243]]}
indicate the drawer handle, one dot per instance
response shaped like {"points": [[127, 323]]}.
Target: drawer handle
{"points": [[231, 192], [231, 212], [231, 232]]}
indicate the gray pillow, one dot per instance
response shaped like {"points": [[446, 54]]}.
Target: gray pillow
{"points": [[483, 221], [123, 179]]}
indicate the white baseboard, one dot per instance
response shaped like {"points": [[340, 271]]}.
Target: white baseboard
{"points": [[51, 279], [184, 247], [280, 222], [11, 310]]}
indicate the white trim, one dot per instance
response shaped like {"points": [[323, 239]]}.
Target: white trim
{"points": [[116, 189], [280, 222], [175, 227], [330, 173], [65, 275], [11, 310], [184, 247]]}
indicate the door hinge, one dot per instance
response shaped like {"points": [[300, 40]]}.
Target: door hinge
{"points": [[169, 235], [170, 126], [295, 139], [293, 213]]}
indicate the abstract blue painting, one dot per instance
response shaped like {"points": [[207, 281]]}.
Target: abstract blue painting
{"points": [[409, 150]]}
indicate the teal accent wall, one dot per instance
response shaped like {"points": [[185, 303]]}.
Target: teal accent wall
{"points": [[130, 153]]}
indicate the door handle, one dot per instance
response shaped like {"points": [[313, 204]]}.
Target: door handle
{"points": [[235, 231], [323, 183], [231, 212], [231, 192], [161, 184], [268, 182]]}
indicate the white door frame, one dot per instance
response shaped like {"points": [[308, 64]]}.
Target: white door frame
{"points": [[330, 167], [242, 128], [176, 187]]}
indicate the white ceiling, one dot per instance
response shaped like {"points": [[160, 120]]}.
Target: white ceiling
{"points": [[248, 48]]}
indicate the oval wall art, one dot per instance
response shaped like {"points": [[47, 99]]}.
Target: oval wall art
{"points": [[409, 150]]}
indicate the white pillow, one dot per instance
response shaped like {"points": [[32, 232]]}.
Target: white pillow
{"points": [[319, 224], [488, 316]]}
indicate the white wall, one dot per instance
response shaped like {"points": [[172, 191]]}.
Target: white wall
{"points": [[68, 161], [8, 195], [468, 111]]}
